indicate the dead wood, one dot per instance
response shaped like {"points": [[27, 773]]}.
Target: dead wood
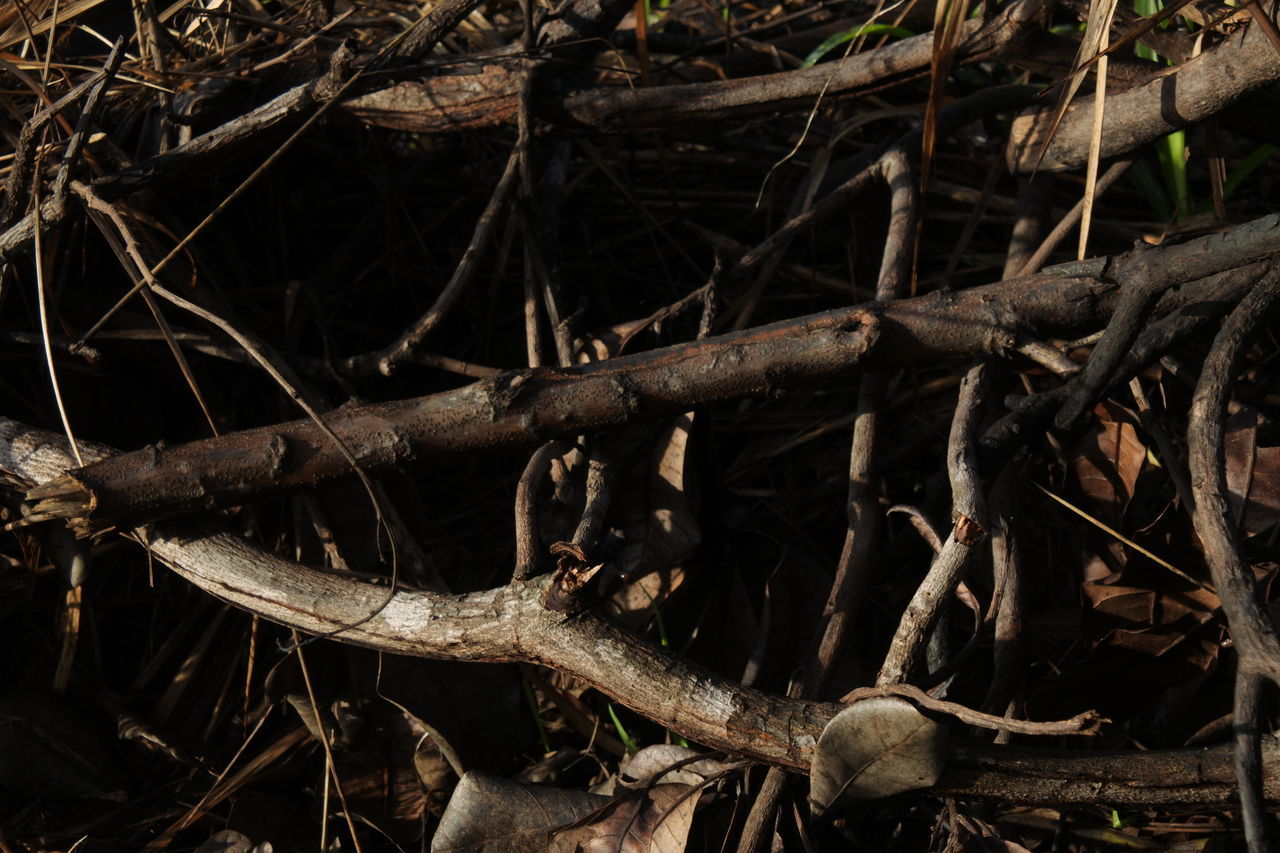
{"points": [[524, 408], [486, 94], [510, 623], [1251, 627], [307, 203], [1172, 99], [968, 530]]}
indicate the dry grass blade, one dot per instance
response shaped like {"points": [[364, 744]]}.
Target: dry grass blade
{"points": [[130, 257], [1125, 539], [44, 326], [1097, 27], [1095, 148], [330, 766], [69, 628], [225, 786], [22, 28], [1140, 29], [271, 363], [642, 42], [948, 16]]}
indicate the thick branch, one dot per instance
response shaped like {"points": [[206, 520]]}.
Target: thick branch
{"points": [[1171, 100], [527, 408], [1177, 777], [510, 624], [1252, 630], [576, 26], [485, 94], [506, 624]]}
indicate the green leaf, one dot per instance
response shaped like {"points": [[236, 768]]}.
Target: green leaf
{"points": [[1247, 167], [849, 35], [627, 740]]}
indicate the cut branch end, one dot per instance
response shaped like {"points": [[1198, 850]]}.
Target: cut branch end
{"points": [[63, 497]]}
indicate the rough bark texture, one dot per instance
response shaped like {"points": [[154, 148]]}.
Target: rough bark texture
{"points": [[510, 623], [522, 409], [1173, 99]]}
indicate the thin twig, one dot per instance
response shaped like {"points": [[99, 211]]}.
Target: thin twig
{"points": [[1085, 723], [408, 345], [969, 513]]}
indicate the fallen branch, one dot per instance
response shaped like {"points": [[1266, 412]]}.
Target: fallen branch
{"points": [[527, 408], [1172, 99], [509, 624], [1252, 631], [485, 93]]}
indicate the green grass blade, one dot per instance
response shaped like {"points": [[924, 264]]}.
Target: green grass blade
{"points": [[1247, 167], [849, 35], [627, 740], [1172, 151], [1144, 178]]}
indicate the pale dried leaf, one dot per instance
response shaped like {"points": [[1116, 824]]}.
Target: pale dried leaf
{"points": [[875, 748], [656, 762], [489, 813], [230, 841], [608, 342], [1011, 846], [1131, 605], [656, 820], [673, 529], [633, 603]]}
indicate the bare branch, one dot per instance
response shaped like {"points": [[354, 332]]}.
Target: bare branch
{"points": [[1171, 100], [527, 408], [509, 624]]}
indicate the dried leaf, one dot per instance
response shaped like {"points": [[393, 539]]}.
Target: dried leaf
{"points": [[656, 820], [388, 793], [655, 762], [1253, 472], [673, 530], [230, 841], [489, 813], [634, 602], [1011, 846], [662, 531], [875, 748], [1144, 621], [608, 342], [1106, 464], [1130, 605]]}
